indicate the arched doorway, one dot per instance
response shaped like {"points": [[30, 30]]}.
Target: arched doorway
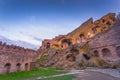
{"points": [[26, 66], [118, 51], [82, 37], [7, 67], [47, 45], [18, 67], [66, 43], [96, 53], [106, 52]]}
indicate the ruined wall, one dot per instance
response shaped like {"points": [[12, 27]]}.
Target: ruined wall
{"points": [[107, 44], [14, 58], [94, 43], [52, 43], [83, 33]]}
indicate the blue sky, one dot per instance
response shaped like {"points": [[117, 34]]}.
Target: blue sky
{"points": [[34, 20]]}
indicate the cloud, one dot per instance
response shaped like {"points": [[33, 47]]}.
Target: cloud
{"points": [[38, 39], [31, 34]]}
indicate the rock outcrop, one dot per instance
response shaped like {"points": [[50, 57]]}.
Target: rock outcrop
{"points": [[94, 43]]}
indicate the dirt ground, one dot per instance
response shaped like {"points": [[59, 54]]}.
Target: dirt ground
{"points": [[94, 76]]}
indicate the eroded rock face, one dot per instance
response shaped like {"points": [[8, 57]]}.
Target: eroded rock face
{"points": [[84, 32], [94, 43], [14, 58]]}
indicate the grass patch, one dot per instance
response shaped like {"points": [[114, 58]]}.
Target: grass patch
{"points": [[29, 74], [66, 77], [42, 59]]}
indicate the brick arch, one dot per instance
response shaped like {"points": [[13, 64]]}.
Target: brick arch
{"points": [[118, 51], [47, 45], [7, 67], [96, 53], [82, 37], [18, 67], [26, 66], [106, 52], [66, 43]]}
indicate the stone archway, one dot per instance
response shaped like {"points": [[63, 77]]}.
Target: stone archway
{"points": [[26, 66], [47, 45], [18, 67], [118, 51], [7, 67], [106, 52], [82, 37], [96, 53], [66, 43]]}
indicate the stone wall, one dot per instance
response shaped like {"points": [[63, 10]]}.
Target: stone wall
{"points": [[83, 33], [94, 43], [14, 58], [107, 44]]}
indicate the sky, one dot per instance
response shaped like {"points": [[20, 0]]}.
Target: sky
{"points": [[35, 20]]}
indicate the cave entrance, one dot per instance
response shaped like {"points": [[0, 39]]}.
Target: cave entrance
{"points": [[86, 56], [106, 52]]}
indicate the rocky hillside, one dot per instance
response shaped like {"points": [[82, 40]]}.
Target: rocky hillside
{"points": [[100, 50]]}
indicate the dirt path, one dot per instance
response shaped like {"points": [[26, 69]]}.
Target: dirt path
{"points": [[94, 76], [70, 73], [85, 75]]}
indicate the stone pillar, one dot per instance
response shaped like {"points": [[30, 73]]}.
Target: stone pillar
{"points": [[13, 67], [100, 52], [113, 51]]}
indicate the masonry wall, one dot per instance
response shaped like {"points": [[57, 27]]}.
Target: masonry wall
{"points": [[109, 40], [81, 34], [15, 58]]}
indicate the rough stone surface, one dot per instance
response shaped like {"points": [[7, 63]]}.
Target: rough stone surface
{"points": [[84, 32], [93, 44], [14, 58]]}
